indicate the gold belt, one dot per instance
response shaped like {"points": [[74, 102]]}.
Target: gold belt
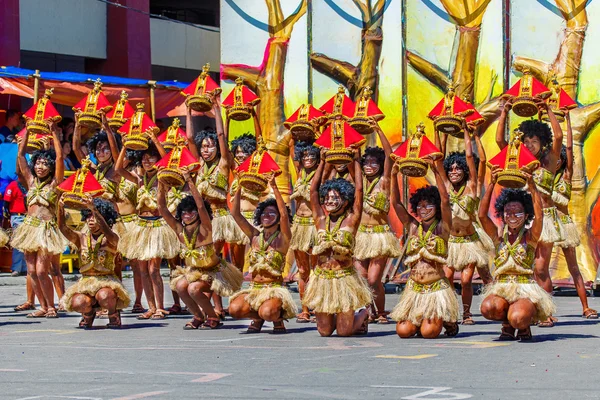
{"points": [[374, 228], [438, 285], [305, 221], [256, 285], [127, 218], [249, 215], [464, 239], [506, 278], [220, 212], [333, 273]]}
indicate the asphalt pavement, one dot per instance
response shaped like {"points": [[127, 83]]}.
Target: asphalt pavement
{"points": [[52, 359]]}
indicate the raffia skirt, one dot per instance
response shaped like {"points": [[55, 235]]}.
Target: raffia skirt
{"points": [[376, 241], [569, 231], [3, 238], [90, 285], [224, 278], [224, 228], [124, 224], [335, 291], [35, 234], [467, 250], [304, 234], [418, 302], [258, 293], [515, 287], [551, 232], [148, 238]]}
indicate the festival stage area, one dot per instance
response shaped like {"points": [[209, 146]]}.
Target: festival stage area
{"points": [[51, 359]]}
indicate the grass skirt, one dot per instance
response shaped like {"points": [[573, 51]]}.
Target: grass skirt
{"points": [[569, 231], [515, 287], [149, 238], [376, 241], [419, 302], [258, 293], [224, 278], [3, 238], [90, 285], [333, 292], [304, 234], [551, 232], [35, 234], [224, 228], [124, 223], [467, 250]]}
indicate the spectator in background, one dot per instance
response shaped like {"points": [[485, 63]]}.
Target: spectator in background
{"points": [[67, 150], [13, 125], [68, 126], [8, 163], [14, 208]]}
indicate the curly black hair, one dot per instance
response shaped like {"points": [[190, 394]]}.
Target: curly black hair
{"points": [[518, 195], [211, 134], [48, 155], [134, 157], [430, 194], [246, 141], [98, 138], [376, 152], [340, 185], [264, 204], [105, 208], [534, 128], [189, 204], [562, 159], [305, 146], [460, 159]]}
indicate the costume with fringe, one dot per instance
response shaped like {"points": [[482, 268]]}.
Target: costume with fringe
{"points": [[36, 234], [471, 249], [272, 262], [224, 228], [174, 197], [513, 276], [561, 196], [551, 229], [330, 290], [224, 278], [97, 272], [376, 240], [149, 237], [304, 232], [124, 223], [433, 300], [3, 238]]}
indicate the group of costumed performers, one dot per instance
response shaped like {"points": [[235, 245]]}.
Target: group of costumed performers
{"points": [[149, 198]]}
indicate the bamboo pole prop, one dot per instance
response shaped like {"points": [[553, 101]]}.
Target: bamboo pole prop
{"points": [[152, 85], [36, 85]]}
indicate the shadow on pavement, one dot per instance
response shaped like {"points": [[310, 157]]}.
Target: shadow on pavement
{"points": [[28, 322]]}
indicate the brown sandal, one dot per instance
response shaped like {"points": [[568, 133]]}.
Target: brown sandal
{"points": [[303, 318], [508, 333], [524, 335], [211, 323], [590, 313], [51, 313], [468, 319], [25, 307], [279, 327], [195, 323], [364, 328], [160, 314], [102, 314], [451, 329], [147, 315], [255, 326], [549, 323], [138, 309], [175, 309], [114, 320], [87, 320], [37, 314], [382, 319]]}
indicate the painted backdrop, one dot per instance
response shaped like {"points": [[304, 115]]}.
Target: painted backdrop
{"points": [[408, 52]]}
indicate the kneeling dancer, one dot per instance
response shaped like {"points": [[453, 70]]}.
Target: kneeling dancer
{"points": [[428, 302], [205, 271], [514, 297], [99, 287], [266, 299], [335, 290]]}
